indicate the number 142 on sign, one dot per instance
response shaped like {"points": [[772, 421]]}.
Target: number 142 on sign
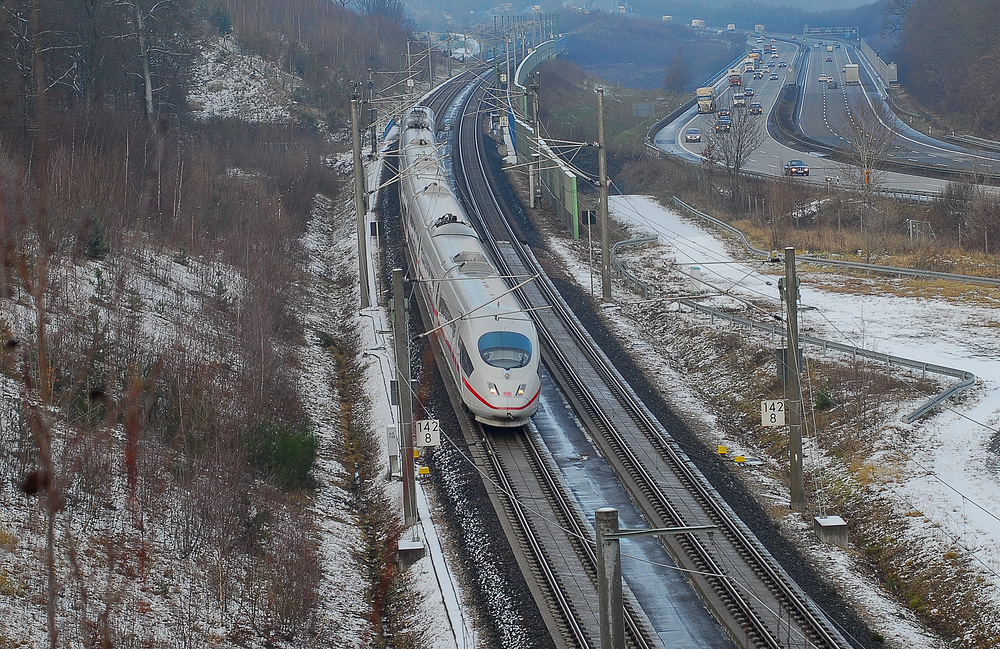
{"points": [[772, 412], [428, 432]]}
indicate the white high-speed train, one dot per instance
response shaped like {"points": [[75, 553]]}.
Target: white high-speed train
{"points": [[489, 341]]}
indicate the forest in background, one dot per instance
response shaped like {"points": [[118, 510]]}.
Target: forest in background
{"points": [[131, 452], [787, 17], [949, 56], [656, 54]]}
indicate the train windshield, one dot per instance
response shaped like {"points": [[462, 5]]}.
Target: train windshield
{"points": [[506, 349]]}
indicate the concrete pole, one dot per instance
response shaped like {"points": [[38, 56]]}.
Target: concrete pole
{"points": [[449, 53], [401, 345], [507, 55], [536, 161], [609, 580], [373, 126], [430, 60], [798, 495], [360, 204], [602, 173]]}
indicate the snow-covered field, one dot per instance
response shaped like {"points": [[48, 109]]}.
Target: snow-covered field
{"points": [[944, 479]]}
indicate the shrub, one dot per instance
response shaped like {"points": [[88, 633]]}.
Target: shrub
{"points": [[283, 454], [94, 238], [824, 401]]}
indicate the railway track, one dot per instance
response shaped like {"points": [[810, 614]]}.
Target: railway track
{"points": [[755, 601]]}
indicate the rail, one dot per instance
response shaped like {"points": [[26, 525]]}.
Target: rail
{"points": [[749, 623], [972, 140]]}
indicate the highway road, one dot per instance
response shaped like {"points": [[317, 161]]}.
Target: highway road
{"points": [[822, 116]]}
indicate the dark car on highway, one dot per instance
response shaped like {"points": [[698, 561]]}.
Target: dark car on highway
{"points": [[724, 125], [756, 108], [796, 168]]}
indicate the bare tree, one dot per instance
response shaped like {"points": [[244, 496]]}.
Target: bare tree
{"points": [[870, 136], [732, 149], [894, 16]]}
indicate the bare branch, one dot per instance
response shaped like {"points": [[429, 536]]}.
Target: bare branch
{"points": [[732, 148]]}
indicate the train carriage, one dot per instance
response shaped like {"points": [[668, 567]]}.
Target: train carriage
{"points": [[489, 342]]}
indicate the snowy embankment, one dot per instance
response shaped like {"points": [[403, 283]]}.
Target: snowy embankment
{"points": [[940, 474]]}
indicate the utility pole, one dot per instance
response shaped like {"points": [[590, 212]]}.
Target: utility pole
{"points": [[507, 55], [791, 295], [360, 204], [609, 580], [534, 167], [611, 612], [372, 112], [430, 60], [401, 344], [602, 173]]}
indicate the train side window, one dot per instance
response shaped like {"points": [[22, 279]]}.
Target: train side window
{"points": [[443, 309], [465, 360]]}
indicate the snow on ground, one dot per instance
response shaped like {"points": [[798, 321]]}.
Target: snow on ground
{"points": [[343, 608], [230, 84], [949, 471], [442, 610]]}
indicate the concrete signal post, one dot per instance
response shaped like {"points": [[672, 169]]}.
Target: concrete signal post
{"points": [[402, 350], [790, 290], [611, 610], [602, 172]]}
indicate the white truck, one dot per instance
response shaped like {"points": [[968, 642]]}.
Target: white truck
{"points": [[851, 77], [739, 100], [706, 99], [829, 48]]}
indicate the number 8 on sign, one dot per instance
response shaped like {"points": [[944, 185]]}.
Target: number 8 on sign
{"points": [[772, 412], [428, 432]]}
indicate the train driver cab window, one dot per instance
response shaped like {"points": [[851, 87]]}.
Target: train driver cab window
{"points": [[506, 349]]}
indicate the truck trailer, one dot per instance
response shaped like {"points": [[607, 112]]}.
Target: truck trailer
{"points": [[706, 99], [851, 77]]}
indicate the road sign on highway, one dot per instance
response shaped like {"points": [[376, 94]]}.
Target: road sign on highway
{"points": [[772, 412]]}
